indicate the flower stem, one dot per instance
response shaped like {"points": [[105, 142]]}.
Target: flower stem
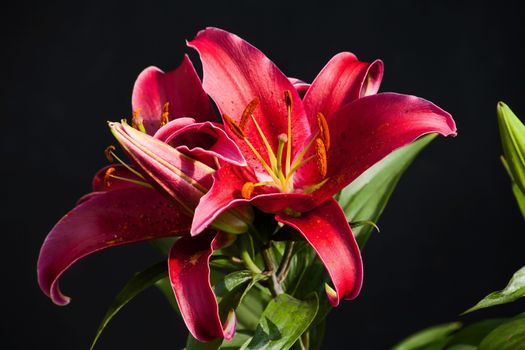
{"points": [[284, 267], [275, 286], [245, 256]]}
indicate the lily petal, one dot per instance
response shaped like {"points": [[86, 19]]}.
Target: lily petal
{"points": [[368, 129], [199, 140], [236, 73], [224, 194], [189, 272], [181, 88], [328, 232], [105, 219], [343, 80], [299, 85], [179, 176]]}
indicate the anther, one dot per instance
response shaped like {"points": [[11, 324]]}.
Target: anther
{"points": [[233, 126], [247, 190], [137, 122], [107, 176], [324, 132], [108, 152], [165, 118], [247, 113], [288, 98], [320, 153]]}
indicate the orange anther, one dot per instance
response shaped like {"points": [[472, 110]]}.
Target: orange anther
{"points": [[233, 126], [107, 176], [288, 98], [324, 132], [108, 152], [247, 113], [320, 154], [165, 117], [247, 190]]}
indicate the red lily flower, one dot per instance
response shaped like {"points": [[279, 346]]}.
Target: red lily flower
{"points": [[301, 152], [158, 200]]}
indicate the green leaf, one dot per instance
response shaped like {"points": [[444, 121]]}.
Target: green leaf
{"points": [[366, 197], [317, 335], [431, 338], [508, 336], [163, 245], [164, 286], [473, 334], [462, 347], [240, 338], [135, 286], [513, 291], [520, 197], [283, 322], [512, 132], [194, 344]]}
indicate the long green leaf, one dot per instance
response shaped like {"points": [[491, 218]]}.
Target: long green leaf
{"points": [[513, 291], [431, 338], [366, 197], [508, 336], [283, 322], [512, 132], [473, 334], [135, 286]]}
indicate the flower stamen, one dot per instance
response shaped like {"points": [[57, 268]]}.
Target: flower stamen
{"points": [[111, 156], [288, 101], [320, 153], [137, 122], [165, 117], [109, 175], [248, 187], [324, 132], [247, 113]]}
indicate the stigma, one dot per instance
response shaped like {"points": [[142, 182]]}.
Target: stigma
{"points": [[278, 164]]}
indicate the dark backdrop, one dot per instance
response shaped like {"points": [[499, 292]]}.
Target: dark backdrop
{"points": [[451, 233]]}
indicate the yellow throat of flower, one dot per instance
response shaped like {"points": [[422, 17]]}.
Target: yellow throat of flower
{"points": [[282, 170]]}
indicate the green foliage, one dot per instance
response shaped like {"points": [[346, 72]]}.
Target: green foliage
{"points": [[283, 322], [514, 290], [431, 338], [366, 197], [508, 336], [512, 133], [135, 286]]}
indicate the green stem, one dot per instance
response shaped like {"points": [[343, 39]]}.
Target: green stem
{"points": [[245, 256], [275, 286], [284, 267]]}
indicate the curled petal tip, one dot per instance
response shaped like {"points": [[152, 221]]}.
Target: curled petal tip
{"points": [[230, 325], [332, 295]]}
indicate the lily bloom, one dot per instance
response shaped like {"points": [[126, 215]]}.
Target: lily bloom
{"points": [[156, 196], [301, 152]]}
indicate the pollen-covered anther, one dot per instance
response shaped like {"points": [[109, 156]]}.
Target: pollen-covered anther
{"points": [[108, 152], [136, 121], [248, 112], [247, 190], [288, 99], [107, 176], [233, 126], [165, 117], [320, 155], [324, 131]]}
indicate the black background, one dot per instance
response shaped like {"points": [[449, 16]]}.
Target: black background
{"points": [[451, 233]]}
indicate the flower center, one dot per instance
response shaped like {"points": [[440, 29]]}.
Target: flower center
{"points": [[280, 167]]}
